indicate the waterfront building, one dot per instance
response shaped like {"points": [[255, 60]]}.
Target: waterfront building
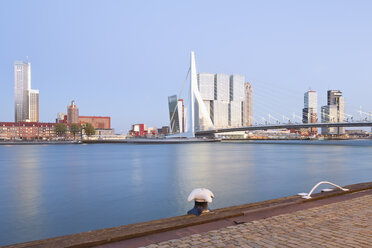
{"points": [[138, 130], [72, 113], [176, 114], [141, 130], [224, 97], [206, 86], [61, 118], [220, 114], [164, 130], [27, 131], [98, 122], [23, 94], [222, 87], [235, 113], [34, 105], [333, 112], [236, 100], [248, 105], [22, 85], [309, 112], [152, 131], [237, 87], [104, 133]]}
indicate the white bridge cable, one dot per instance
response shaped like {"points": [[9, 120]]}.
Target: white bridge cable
{"points": [[363, 116], [278, 99], [179, 97], [264, 108], [269, 94], [285, 95], [261, 100], [262, 84], [363, 113]]}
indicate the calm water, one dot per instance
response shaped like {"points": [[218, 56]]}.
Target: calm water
{"points": [[52, 190]]}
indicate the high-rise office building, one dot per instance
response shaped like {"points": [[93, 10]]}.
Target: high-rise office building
{"points": [[206, 86], [72, 113], [222, 87], [236, 100], [237, 87], [26, 100], [309, 112], [220, 114], [224, 97], [248, 105], [333, 112], [34, 105], [22, 86], [176, 114]]}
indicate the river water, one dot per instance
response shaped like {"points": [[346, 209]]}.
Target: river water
{"points": [[53, 190]]}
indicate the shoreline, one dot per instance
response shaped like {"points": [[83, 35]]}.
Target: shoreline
{"points": [[193, 141], [134, 234], [65, 142]]}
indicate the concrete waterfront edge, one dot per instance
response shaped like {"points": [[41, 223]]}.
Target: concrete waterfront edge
{"points": [[115, 234]]}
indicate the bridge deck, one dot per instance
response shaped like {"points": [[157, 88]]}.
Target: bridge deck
{"points": [[286, 126]]}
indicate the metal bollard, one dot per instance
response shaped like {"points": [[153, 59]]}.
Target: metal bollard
{"points": [[201, 197]]}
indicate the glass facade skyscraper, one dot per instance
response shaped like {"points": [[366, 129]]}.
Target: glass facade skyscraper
{"points": [[26, 100], [334, 112], [22, 86], [309, 112], [173, 114]]}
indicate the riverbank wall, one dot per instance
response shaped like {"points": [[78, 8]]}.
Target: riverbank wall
{"points": [[224, 215]]}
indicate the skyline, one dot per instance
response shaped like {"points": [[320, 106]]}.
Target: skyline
{"points": [[111, 62]]}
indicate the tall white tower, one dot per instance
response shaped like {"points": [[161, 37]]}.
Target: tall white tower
{"points": [[198, 114], [195, 105]]}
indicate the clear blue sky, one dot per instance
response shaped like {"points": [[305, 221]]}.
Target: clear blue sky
{"points": [[124, 58]]}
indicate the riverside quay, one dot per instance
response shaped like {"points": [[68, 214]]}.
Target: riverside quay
{"points": [[333, 218]]}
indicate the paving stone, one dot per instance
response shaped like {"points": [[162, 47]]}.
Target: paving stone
{"points": [[342, 224]]}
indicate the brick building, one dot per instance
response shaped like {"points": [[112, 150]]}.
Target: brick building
{"points": [[27, 131], [72, 113], [98, 122]]}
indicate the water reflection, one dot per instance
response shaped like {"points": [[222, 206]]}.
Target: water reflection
{"points": [[26, 181], [56, 190]]}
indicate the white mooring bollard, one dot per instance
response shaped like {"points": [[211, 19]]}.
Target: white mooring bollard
{"points": [[201, 197]]}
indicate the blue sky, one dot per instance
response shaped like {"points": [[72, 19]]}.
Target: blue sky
{"points": [[124, 58]]}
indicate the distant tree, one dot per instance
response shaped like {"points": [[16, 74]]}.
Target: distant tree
{"points": [[74, 129], [60, 129], [89, 129]]}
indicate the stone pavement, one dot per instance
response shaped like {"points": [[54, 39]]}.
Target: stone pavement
{"points": [[342, 224]]}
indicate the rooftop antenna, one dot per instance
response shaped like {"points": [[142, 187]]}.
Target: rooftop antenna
{"points": [[27, 59]]}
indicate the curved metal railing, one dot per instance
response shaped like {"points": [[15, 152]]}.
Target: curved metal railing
{"points": [[308, 195]]}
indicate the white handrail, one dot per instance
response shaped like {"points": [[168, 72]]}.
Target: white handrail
{"points": [[308, 195]]}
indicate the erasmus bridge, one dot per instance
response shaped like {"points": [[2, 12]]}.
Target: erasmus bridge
{"points": [[199, 124], [284, 126]]}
